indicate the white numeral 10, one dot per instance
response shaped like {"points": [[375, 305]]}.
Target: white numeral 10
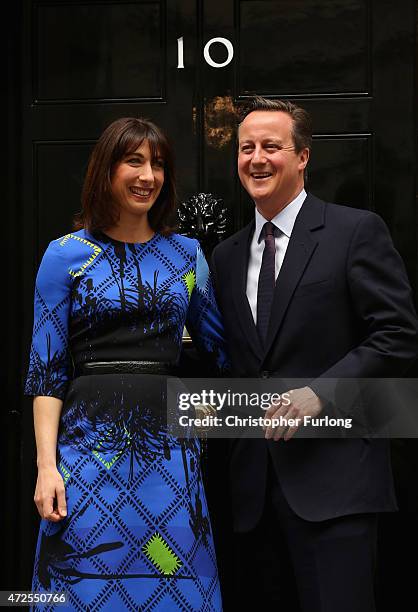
{"points": [[206, 52]]}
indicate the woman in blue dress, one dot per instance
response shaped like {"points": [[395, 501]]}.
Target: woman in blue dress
{"points": [[125, 523]]}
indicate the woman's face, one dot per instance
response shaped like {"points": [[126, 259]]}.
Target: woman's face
{"points": [[137, 181]]}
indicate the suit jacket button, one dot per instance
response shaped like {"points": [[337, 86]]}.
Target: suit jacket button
{"points": [[265, 374]]}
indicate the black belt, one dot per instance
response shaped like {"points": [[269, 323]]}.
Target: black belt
{"points": [[125, 367]]}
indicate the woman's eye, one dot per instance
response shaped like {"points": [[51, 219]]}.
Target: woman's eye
{"points": [[158, 163]]}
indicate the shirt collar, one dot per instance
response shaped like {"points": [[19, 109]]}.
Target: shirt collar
{"points": [[285, 219]]}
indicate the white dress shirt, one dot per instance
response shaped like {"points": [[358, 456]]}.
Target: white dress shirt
{"points": [[284, 221]]}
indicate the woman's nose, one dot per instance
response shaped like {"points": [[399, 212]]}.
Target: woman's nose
{"points": [[146, 173]]}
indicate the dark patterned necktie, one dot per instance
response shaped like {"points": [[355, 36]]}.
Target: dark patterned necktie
{"points": [[266, 280]]}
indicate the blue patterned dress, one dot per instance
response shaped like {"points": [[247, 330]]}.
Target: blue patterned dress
{"points": [[137, 535]]}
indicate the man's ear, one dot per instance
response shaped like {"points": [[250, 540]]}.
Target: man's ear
{"points": [[303, 158]]}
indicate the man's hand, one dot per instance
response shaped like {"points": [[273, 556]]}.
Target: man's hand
{"points": [[303, 402]]}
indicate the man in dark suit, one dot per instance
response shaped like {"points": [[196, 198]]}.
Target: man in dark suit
{"points": [[315, 290]]}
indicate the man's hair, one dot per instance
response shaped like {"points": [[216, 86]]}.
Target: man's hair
{"points": [[301, 119]]}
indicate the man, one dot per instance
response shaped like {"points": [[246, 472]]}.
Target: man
{"points": [[321, 293]]}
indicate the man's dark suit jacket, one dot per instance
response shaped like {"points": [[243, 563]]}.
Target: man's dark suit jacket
{"points": [[342, 309]]}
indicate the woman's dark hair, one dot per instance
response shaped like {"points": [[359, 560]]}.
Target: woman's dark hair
{"points": [[121, 138]]}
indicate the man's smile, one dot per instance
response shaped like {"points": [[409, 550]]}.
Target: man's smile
{"points": [[258, 176]]}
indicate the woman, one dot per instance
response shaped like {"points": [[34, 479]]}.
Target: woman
{"points": [[125, 523]]}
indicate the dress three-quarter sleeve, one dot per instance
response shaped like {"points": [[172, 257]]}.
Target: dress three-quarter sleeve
{"points": [[204, 322], [50, 361]]}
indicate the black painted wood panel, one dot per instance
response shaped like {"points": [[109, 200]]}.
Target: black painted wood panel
{"points": [[341, 166], [59, 170], [304, 47], [98, 51]]}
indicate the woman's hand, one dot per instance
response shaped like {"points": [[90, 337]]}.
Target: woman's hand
{"points": [[50, 491], [50, 494]]}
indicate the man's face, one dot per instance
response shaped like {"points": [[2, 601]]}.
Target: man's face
{"points": [[268, 166]]}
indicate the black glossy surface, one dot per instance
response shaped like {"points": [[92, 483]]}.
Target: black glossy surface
{"points": [[341, 167], [303, 47], [93, 51], [55, 185]]}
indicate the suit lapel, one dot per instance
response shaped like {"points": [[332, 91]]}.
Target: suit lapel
{"points": [[301, 247], [239, 265]]}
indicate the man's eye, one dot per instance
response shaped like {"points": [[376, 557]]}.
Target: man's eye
{"points": [[246, 149], [273, 146]]}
